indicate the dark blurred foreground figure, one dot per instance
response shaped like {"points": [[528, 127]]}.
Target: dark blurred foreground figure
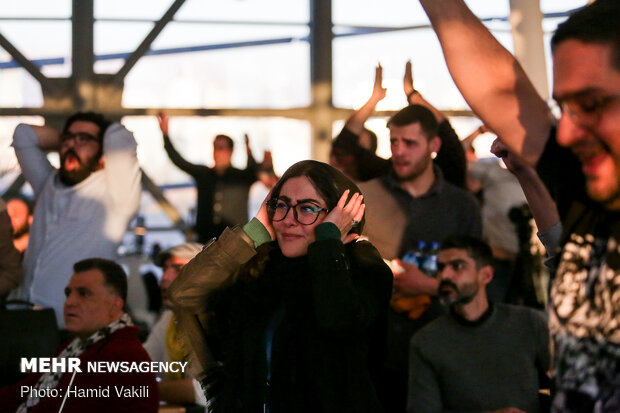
{"points": [[483, 356], [93, 311], [287, 314], [584, 316]]}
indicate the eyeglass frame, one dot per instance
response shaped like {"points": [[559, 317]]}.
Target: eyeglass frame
{"points": [[580, 116], [271, 208], [80, 138]]}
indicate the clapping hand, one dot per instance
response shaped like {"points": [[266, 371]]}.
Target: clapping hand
{"points": [[408, 79], [378, 91]]}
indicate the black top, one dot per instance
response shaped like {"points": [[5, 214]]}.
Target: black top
{"points": [[584, 306], [322, 316], [222, 199]]}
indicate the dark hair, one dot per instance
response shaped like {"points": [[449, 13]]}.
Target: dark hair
{"points": [[416, 114], [97, 118], [328, 181], [477, 249], [113, 274], [229, 142], [373, 140], [596, 23]]}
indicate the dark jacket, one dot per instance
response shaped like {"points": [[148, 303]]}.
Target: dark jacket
{"points": [[326, 314], [222, 199]]}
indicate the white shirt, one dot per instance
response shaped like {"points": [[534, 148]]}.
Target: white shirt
{"points": [[72, 223]]}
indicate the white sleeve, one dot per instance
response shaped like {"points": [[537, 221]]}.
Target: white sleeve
{"points": [[155, 343], [32, 160], [121, 167]]}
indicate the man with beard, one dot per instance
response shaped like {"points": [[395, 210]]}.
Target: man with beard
{"points": [[579, 161], [482, 356], [20, 212], [413, 204], [83, 208]]}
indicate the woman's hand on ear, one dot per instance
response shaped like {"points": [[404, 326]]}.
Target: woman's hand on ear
{"points": [[345, 214]]}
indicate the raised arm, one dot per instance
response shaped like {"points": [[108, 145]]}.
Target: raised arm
{"points": [[31, 143], [414, 97], [356, 121], [468, 142], [451, 156], [538, 197], [490, 79], [121, 168], [252, 166], [173, 154]]}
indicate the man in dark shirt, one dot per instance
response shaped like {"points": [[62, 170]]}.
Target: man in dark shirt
{"points": [[483, 356], [222, 190], [584, 317]]}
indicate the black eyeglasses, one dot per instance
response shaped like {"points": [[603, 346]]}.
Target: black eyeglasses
{"points": [[586, 110], [304, 212], [80, 138]]}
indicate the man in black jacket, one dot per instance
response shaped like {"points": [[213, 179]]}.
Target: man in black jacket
{"points": [[222, 190]]}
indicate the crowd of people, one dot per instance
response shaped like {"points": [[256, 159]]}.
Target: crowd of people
{"points": [[362, 285]]}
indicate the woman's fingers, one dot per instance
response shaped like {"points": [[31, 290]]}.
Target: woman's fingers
{"points": [[343, 199], [349, 238], [345, 214], [360, 213]]}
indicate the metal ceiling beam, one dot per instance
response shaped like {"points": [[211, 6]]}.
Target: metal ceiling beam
{"points": [[82, 49], [148, 41], [294, 113], [26, 63]]}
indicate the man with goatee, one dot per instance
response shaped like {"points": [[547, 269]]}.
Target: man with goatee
{"points": [[482, 356]]}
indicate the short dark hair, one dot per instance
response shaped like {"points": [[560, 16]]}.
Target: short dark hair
{"points": [[229, 142], [416, 114], [476, 248], [373, 140], [113, 274], [328, 181], [97, 118], [596, 23]]}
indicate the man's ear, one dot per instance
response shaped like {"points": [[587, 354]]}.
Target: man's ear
{"points": [[486, 274], [435, 144], [117, 304], [100, 164]]}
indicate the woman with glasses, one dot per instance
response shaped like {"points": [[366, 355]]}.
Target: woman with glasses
{"points": [[287, 314]]}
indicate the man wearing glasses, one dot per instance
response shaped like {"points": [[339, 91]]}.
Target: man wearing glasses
{"points": [[82, 208], [581, 167]]}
